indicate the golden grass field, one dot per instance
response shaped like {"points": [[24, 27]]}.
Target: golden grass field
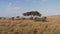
{"points": [[52, 26]]}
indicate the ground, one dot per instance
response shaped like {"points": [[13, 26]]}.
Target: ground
{"points": [[52, 26]]}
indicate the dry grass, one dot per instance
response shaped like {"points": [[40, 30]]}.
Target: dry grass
{"points": [[30, 27]]}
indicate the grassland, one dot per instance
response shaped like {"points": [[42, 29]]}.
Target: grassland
{"points": [[52, 26]]}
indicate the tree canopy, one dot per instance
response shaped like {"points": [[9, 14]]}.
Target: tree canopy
{"points": [[34, 13]]}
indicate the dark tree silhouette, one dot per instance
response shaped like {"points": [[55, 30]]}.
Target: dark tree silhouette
{"points": [[32, 13]]}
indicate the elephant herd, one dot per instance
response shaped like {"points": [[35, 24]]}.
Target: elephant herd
{"points": [[43, 19]]}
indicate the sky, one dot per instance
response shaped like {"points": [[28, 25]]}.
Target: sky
{"points": [[9, 8]]}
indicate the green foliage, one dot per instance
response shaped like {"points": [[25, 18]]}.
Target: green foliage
{"points": [[34, 13]]}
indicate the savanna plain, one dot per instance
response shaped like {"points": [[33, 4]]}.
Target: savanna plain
{"points": [[52, 26]]}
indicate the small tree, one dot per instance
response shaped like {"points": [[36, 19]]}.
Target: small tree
{"points": [[32, 13]]}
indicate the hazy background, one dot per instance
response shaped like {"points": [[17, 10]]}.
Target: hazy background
{"points": [[10, 8]]}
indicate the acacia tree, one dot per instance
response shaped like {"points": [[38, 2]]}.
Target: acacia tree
{"points": [[35, 13], [32, 14]]}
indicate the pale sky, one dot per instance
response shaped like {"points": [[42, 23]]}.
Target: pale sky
{"points": [[10, 8]]}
